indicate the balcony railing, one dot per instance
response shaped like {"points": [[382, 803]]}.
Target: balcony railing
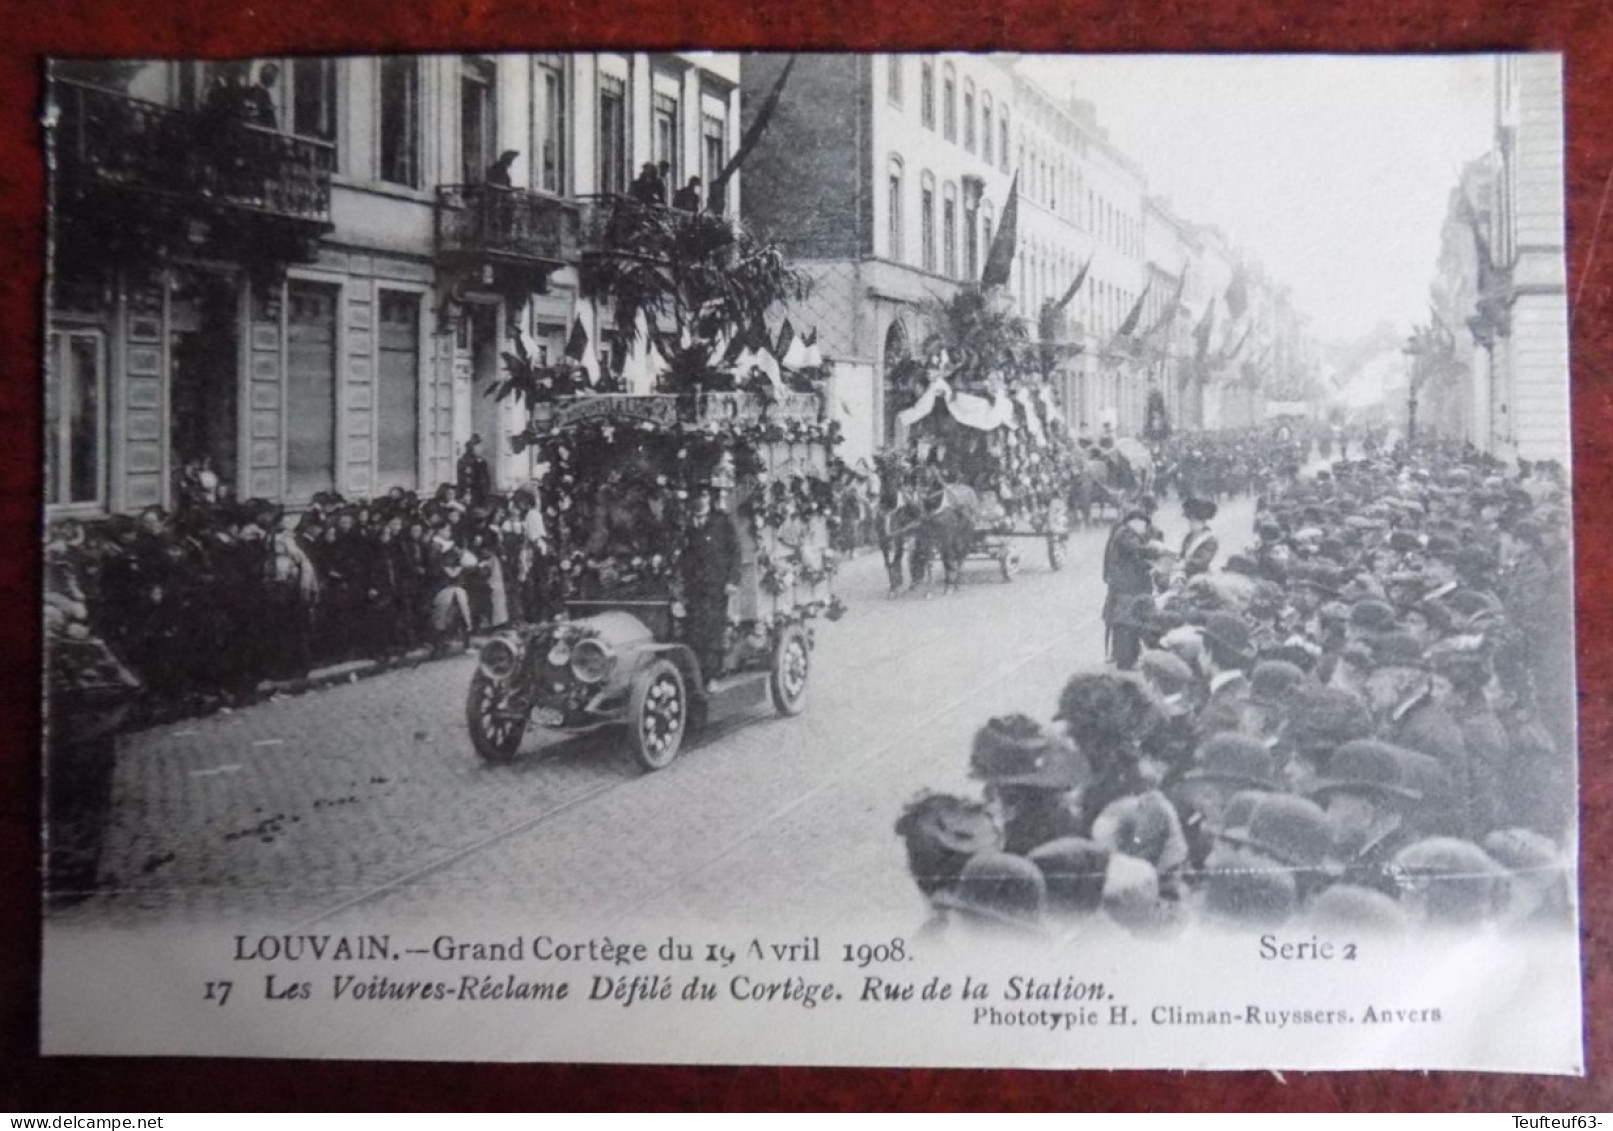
{"points": [[109, 140], [496, 224]]}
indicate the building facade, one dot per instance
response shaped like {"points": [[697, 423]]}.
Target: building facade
{"points": [[884, 178], [1522, 315], [1081, 201], [302, 273]]}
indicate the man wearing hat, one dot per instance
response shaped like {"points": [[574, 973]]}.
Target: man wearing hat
{"points": [[997, 892], [1368, 798], [475, 480], [1128, 571], [1448, 882], [1271, 854], [710, 565], [1225, 765], [1168, 751], [1228, 653]]}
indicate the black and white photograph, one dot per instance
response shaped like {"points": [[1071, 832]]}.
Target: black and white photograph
{"points": [[851, 559]]}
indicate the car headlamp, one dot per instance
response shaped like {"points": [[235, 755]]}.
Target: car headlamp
{"points": [[591, 661], [498, 658]]}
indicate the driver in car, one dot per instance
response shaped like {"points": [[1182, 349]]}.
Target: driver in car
{"points": [[710, 568]]}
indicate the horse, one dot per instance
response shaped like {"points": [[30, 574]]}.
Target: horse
{"points": [[896, 520], [950, 511], [1090, 488]]}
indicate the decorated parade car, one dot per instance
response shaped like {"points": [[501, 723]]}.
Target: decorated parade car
{"points": [[691, 545]]}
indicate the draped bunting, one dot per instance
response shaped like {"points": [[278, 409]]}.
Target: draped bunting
{"points": [[938, 390], [977, 412]]}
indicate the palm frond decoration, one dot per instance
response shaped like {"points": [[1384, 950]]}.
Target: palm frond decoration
{"points": [[696, 279], [979, 331]]}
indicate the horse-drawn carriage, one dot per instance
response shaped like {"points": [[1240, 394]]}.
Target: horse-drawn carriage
{"points": [[1108, 477], [980, 472]]}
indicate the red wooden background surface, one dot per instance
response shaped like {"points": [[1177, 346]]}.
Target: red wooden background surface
{"points": [[30, 29]]}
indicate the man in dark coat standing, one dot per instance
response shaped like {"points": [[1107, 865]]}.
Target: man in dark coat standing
{"points": [[687, 198], [475, 480], [710, 566], [1128, 571]]}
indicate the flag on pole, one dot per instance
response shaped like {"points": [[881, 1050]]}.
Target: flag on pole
{"points": [[1128, 328], [786, 338], [577, 343], [717, 191], [1168, 315], [1080, 277], [1000, 259], [1206, 326]]}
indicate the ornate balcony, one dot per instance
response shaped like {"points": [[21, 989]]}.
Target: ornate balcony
{"points": [[514, 238], [132, 174]]}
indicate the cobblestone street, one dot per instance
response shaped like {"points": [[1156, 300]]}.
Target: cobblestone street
{"points": [[366, 797]]}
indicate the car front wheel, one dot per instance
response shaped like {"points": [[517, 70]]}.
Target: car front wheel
{"points": [[657, 714]]}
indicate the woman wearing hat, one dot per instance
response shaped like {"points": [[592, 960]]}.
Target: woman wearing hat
{"points": [[1033, 780], [1199, 547]]}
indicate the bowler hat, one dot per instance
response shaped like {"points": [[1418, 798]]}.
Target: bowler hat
{"points": [[1073, 870], [1288, 829], [1235, 759], [1273, 682], [1373, 616], [1458, 882], [1168, 670], [1404, 541], [999, 887], [1228, 630], [1370, 766], [1349, 907], [1199, 510]]}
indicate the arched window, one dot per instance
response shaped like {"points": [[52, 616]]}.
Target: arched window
{"points": [[893, 211], [949, 229], [986, 127], [927, 220], [1003, 152], [949, 102], [927, 92], [897, 350], [969, 115], [893, 78], [988, 216]]}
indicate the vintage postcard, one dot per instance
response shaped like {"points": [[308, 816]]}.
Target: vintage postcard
{"points": [[846, 559]]}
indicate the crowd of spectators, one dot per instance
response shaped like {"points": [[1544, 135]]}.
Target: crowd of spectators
{"points": [[1363, 720]]}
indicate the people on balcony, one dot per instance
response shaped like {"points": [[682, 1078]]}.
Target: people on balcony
{"points": [[257, 103], [498, 173], [648, 188], [687, 198]]}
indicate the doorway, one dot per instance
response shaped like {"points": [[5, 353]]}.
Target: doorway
{"points": [[476, 369], [205, 377]]}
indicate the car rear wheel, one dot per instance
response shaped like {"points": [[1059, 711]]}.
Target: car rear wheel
{"points": [[657, 714], [792, 663], [495, 730]]}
